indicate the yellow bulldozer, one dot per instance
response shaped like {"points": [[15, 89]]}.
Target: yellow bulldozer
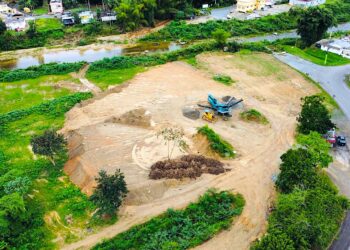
{"points": [[209, 116]]}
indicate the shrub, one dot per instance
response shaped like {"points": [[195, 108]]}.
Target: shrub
{"points": [[36, 71], [227, 80], [219, 145], [181, 229], [254, 115]]}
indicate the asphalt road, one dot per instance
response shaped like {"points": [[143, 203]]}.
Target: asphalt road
{"points": [[290, 34], [221, 13], [332, 79]]}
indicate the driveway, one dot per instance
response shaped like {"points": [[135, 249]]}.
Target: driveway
{"points": [[330, 78]]}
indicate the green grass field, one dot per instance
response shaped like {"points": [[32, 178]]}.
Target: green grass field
{"points": [[106, 78], [46, 24], [26, 93], [317, 56], [40, 11]]}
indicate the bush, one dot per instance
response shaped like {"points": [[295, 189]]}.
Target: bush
{"points": [[227, 80], [181, 229], [254, 115], [36, 71], [219, 145]]}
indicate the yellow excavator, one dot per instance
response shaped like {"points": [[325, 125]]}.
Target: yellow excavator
{"points": [[209, 116]]}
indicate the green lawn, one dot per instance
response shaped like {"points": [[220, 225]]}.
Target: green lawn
{"points": [[26, 93], [40, 11], [105, 78], [46, 24], [317, 56]]}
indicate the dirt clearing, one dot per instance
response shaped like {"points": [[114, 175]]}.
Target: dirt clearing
{"points": [[98, 140]]}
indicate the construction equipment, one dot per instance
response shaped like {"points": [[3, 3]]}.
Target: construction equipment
{"points": [[209, 116], [223, 109]]}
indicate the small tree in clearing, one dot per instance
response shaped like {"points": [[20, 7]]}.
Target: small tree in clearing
{"points": [[173, 137], [48, 144], [109, 193], [220, 37]]}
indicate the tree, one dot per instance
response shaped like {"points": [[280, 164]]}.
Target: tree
{"points": [[313, 24], [314, 116], [297, 170], [20, 185], [48, 144], [173, 137], [318, 148], [220, 37], [109, 193], [32, 30], [2, 27]]}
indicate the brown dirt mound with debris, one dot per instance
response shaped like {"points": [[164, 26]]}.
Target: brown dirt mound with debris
{"points": [[137, 117], [187, 166]]}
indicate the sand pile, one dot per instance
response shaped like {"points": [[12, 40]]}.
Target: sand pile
{"points": [[191, 166], [137, 117]]}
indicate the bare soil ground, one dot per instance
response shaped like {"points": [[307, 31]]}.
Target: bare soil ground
{"points": [[97, 140]]}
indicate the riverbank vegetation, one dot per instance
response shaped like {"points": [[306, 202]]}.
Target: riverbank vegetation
{"points": [[182, 229], [309, 209]]}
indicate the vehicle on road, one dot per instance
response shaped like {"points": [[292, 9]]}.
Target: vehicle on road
{"points": [[341, 141]]}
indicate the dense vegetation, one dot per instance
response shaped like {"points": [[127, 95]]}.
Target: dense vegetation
{"points": [[181, 229], [179, 30], [36, 71], [254, 115], [217, 144], [30, 187], [309, 209]]}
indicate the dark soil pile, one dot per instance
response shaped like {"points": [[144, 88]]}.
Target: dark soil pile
{"points": [[190, 166]]}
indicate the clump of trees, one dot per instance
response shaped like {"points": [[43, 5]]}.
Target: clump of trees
{"points": [[109, 193], [313, 24], [309, 210]]}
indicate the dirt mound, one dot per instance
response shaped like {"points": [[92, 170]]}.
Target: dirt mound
{"points": [[191, 166], [137, 117], [191, 113]]}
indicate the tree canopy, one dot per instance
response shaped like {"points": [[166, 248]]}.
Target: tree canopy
{"points": [[314, 116], [313, 24], [109, 193], [2, 27]]}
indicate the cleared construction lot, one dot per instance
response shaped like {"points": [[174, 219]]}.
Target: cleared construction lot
{"points": [[118, 130]]}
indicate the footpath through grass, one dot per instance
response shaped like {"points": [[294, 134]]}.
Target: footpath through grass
{"points": [[317, 56], [181, 229]]}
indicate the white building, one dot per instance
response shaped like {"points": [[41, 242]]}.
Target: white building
{"points": [[16, 22], [250, 5], [306, 3], [86, 17], [337, 46], [56, 6]]}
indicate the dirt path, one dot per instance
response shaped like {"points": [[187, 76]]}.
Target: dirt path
{"points": [[85, 82], [96, 143]]}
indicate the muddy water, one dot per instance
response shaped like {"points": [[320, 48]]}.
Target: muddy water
{"points": [[81, 54]]}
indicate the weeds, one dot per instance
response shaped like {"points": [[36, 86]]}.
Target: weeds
{"points": [[254, 115]]}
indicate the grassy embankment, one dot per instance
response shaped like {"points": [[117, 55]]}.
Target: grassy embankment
{"points": [[181, 229], [317, 56], [254, 116]]}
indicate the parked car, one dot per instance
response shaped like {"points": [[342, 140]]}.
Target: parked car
{"points": [[341, 140]]}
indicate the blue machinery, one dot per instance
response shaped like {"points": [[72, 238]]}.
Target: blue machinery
{"points": [[221, 108]]}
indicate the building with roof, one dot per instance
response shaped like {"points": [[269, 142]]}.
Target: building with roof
{"points": [[56, 6], [250, 5], [306, 3], [337, 46]]}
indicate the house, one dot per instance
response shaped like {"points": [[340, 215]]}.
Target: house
{"points": [[15, 22], [337, 46], [250, 5], [86, 17], [5, 9], [306, 3], [56, 6]]}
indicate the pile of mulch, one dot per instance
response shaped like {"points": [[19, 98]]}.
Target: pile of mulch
{"points": [[190, 166]]}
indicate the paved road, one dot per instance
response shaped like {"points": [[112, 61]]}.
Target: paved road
{"points": [[221, 13], [330, 78], [290, 34]]}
